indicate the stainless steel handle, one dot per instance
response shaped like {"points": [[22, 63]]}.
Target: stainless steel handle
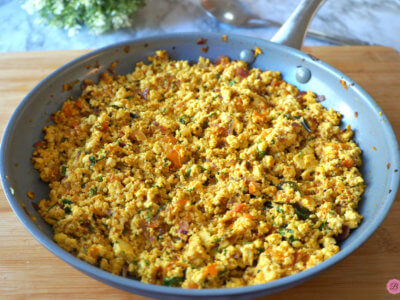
{"points": [[293, 31], [341, 40]]}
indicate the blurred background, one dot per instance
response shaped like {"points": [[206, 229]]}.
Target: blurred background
{"points": [[374, 21]]}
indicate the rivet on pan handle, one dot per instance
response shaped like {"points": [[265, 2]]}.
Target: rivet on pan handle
{"points": [[293, 31]]}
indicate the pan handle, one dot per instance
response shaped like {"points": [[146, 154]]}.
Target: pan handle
{"points": [[293, 31]]}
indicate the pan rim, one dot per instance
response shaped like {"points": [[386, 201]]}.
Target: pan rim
{"points": [[152, 289]]}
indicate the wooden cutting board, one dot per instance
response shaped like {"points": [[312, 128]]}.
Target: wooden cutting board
{"points": [[28, 270]]}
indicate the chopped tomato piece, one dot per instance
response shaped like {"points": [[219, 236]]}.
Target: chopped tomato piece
{"points": [[67, 110], [222, 59], [104, 126], [239, 207], [80, 103], [242, 72]]}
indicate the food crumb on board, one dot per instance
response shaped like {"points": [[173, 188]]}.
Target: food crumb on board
{"points": [[388, 166], [374, 148], [356, 114], [224, 38]]}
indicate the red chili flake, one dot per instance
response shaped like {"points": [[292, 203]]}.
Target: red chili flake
{"points": [[35, 206], [145, 93], [184, 227], [204, 49], [222, 59], [242, 72], [201, 41], [160, 127], [301, 94], [356, 114], [345, 232], [388, 166]]}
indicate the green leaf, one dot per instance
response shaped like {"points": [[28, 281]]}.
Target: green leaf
{"points": [[67, 210], [260, 250], [288, 116], [302, 212], [92, 160], [222, 272], [93, 191], [291, 184], [173, 281], [232, 83], [184, 120], [63, 170], [261, 154], [65, 201], [322, 226]]}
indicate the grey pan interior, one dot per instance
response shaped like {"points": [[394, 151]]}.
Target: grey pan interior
{"points": [[372, 129]]}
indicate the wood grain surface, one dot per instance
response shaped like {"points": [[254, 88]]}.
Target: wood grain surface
{"points": [[28, 270]]}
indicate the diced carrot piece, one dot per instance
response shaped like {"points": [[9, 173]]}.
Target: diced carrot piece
{"points": [[252, 188], [248, 216], [211, 270], [276, 83], [181, 202], [348, 163], [193, 285], [170, 139]]}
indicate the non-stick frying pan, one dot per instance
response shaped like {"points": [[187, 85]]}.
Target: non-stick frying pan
{"points": [[372, 129]]}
